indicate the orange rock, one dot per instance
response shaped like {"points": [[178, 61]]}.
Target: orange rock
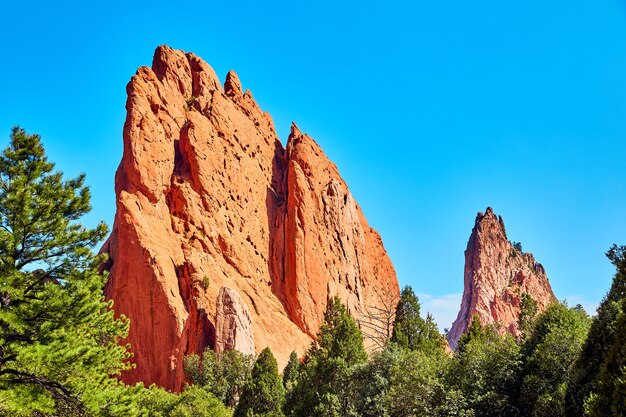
{"points": [[208, 197], [233, 323], [496, 276]]}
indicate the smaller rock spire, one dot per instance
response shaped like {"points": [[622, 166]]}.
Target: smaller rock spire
{"points": [[495, 276], [295, 131], [232, 86]]}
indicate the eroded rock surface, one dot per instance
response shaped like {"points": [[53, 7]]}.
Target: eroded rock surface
{"points": [[233, 323], [208, 197], [496, 276]]}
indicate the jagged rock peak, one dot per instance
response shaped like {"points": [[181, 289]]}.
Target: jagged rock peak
{"points": [[232, 86], [495, 277], [222, 236], [295, 131]]}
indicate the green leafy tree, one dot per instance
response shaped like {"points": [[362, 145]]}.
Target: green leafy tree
{"points": [[400, 382], [369, 383], [222, 375], [609, 396], [601, 337], [156, 402], [321, 389], [58, 336], [194, 401], [418, 388], [263, 394], [410, 330], [485, 370], [548, 353]]}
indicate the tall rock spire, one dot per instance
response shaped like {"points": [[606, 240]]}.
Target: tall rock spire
{"points": [[496, 275]]}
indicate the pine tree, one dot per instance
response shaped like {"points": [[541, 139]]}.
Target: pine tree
{"points": [[609, 397], [601, 337], [291, 371], [475, 332], [263, 394], [410, 330], [324, 377], [58, 337], [339, 336]]}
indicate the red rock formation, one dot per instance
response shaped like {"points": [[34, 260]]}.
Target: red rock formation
{"points": [[208, 197], [496, 275], [233, 323]]}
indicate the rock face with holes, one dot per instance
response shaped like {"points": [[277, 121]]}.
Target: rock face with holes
{"points": [[223, 237], [496, 276]]}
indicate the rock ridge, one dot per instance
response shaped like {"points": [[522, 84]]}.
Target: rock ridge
{"points": [[214, 214]]}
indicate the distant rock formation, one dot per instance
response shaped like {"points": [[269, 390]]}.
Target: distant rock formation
{"points": [[496, 276], [217, 221]]}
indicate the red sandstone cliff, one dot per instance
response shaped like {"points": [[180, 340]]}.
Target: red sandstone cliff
{"points": [[222, 236], [496, 275]]}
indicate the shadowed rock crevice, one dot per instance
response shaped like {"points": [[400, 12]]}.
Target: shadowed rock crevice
{"points": [[275, 203], [199, 332]]}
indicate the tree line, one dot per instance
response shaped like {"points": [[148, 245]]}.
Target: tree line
{"points": [[61, 347]]}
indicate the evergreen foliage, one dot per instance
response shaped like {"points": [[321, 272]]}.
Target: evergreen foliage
{"points": [[322, 387], [484, 370], [58, 336], [410, 330], [418, 387], [291, 371], [549, 351], [475, 332], [601, 337], [609, 396], [192, 402], [369, 384], [339, 336], [291, 375], [263, 394], [222, 375]]}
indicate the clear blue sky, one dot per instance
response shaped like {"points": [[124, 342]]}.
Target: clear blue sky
{"points": [[432, 111]]}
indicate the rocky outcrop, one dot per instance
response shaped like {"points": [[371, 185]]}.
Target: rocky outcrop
{"points": [[496, 276], [208, 197], [233, 324]]}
